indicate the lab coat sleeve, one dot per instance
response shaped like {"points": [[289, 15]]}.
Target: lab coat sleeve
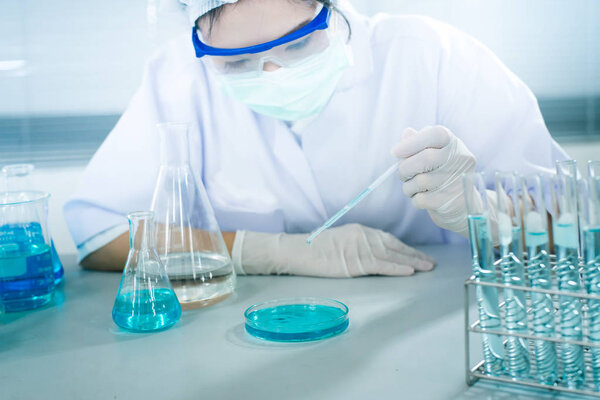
{"points": [[491, 109], [121, 176]]}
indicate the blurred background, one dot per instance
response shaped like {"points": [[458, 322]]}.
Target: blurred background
{"points": [[68, 69]]}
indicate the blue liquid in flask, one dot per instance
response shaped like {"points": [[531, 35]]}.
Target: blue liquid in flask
{"points": [[146, 310], [26, 272], [296, 322]]}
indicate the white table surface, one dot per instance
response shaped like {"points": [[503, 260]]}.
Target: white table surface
{"points": [[405, 341]]}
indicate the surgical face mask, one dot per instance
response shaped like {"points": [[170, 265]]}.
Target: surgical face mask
{"points": [[293, 93]]}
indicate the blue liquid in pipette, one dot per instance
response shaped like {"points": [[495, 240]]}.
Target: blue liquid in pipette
{"points": [[349, 206], [145, 310], [374, 185], [26, 276], [296, 322]]}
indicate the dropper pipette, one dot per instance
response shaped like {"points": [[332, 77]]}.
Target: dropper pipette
{"points": [[353, 203]]}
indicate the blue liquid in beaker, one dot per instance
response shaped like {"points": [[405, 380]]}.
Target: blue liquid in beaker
{"points": [[57, 267], [146, 310], [26, 271], [296, 322]]}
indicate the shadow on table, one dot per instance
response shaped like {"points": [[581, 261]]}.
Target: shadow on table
{"points": [[84, 303], [338, 352]]}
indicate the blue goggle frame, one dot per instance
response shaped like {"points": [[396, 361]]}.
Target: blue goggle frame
{"points": [[321, 21]]}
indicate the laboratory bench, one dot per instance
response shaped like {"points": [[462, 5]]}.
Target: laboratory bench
{"points": [[405, 341]]}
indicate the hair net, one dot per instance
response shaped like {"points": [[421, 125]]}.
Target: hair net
{"points": [[197, 8]]}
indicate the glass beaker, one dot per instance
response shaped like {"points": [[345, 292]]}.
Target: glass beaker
{"points": [[26, 275], [145, 300], [17, 178], [189, 240]]}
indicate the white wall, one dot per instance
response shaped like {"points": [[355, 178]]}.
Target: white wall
{"points": [[81, 56], [551, 44], [86, 56]]}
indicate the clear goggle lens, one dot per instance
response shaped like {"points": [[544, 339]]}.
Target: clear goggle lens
{"points": [[285, 55]]}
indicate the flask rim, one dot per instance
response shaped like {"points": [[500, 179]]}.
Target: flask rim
{"points": [[141, 215], [9, 198]]}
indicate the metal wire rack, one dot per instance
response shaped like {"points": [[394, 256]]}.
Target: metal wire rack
{"points": [[475, 371]]}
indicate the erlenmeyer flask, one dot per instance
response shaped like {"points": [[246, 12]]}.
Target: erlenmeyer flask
{"points": [[17, 179], [145, 300], [189, 240]]}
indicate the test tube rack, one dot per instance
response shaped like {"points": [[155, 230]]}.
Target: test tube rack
{"points": [[475, 371]]}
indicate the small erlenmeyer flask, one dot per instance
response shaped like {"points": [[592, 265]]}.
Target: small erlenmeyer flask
{"points": [[145, 300], [189, 240], [17, 179]]}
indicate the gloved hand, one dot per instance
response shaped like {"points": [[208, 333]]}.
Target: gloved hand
{"points": [[434, 161], [341, 252]]}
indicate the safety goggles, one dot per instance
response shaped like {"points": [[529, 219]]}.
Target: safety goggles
{"points": [[287, 51]]}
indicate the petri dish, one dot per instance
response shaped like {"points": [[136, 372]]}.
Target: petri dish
{"points": [[297, 319]]}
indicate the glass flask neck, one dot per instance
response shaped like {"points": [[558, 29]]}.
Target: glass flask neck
{"points": [[17, 177], [174, 151], [141, 230]]}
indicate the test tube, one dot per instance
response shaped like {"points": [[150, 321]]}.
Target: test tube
{"points": [[511, 263], [567, 247], [568, 168], [594, 169], [591, 237], [539, 272], [484, 270]]}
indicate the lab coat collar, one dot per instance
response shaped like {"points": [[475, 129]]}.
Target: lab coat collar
{"points": [[362, 56], [294, 161]]}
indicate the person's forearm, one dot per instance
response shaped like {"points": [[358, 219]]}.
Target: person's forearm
{"points": [[229, 238], [113, 256], [110, 257]]}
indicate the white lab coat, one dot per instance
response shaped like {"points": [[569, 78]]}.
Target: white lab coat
{"points": [[260, 175]]}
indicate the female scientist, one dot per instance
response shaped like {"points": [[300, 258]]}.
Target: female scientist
{"points": [[294, 107]]}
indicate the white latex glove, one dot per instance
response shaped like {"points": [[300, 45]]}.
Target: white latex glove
{"points": [[434, 160], [341, 252]]}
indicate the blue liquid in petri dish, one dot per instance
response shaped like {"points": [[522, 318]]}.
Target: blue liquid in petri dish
{"points": [[296, 322], [26, 271], [139, 311]]}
